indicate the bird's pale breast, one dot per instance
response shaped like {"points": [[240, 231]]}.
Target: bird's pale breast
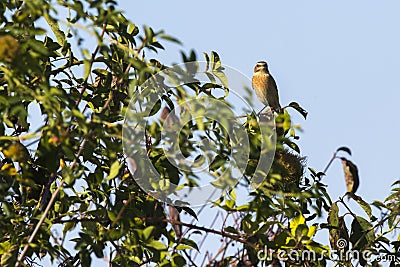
{"points": [[260, 84]]}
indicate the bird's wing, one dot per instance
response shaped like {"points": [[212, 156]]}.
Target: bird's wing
{"points": [[351, 175], [272, 94]]}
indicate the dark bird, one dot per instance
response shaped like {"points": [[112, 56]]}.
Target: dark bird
{"points": [[265, 86], [350, 175]]}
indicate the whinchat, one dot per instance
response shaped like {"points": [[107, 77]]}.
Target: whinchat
{"points": [[265, 86]]}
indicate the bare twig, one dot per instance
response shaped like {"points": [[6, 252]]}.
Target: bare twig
{"points": [[205, 236], [330, 162], [48, 207], [205, 229]]}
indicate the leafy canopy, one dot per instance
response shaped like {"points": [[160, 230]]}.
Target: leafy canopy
{"points": [[68, 70]]}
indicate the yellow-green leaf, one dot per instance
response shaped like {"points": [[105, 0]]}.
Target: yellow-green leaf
{"points": [[114, 170], [299, 220]]}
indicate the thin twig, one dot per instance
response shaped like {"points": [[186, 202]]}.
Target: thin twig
{"points": [[206, 235], [330, 162], [189, 258], [220, 250], [205, 229], [48, 207]]}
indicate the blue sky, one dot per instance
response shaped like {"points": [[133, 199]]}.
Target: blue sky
{"points": [[339, 60]]}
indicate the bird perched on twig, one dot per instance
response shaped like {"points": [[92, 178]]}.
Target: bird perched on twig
{"points": [[174, 215], [350, 175], [265, 86], [169, 117]]}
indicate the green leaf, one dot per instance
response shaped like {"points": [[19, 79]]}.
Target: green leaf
{"points": [[101, 72], [147, 232], [215, 61], [114, 170], [190, 243], [155, 108], [60, 35], [291, 144], [111, 215], [333, 215], [230, 203], [222, 78], [244, 207], [158, 45], [115, 234], [281, 239], [39, 47], [231, 229], [157, 245], [361, 233], [345, 149], [9, 256], [217, 162], [312, 230], [190, 212], [333, 225], [284, 121], [170, 38], [182, 247], [297, 107], [68, 226], [98, 250], [207, 61], [292, 132], [396, 183], [367, 229], [295, 222], [132, 29], [68, 176], [149, 33], [87, 67], [364, 205], [301, 231], [179, 260], [379, 204], [232, 194]]}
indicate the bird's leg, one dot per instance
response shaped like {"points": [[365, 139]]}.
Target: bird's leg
{"points": [[259, 113]]}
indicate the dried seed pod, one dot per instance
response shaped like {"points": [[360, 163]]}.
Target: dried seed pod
{"points": [[9, 48], [290, 168]]}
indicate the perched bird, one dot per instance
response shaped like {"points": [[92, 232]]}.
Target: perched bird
{"points": [[169, 117], [350, 175], [265, 86]]}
